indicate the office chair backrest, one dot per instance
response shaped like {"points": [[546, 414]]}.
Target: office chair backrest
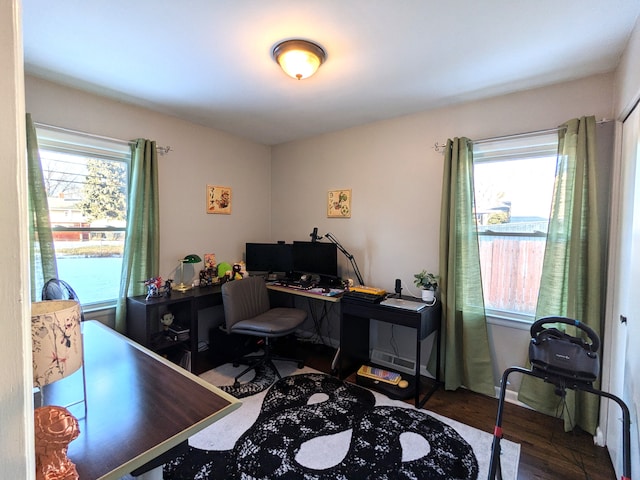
{"points": [[244, 299], [56, 289]]}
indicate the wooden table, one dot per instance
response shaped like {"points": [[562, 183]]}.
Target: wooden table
{"points": [[139, 405]]}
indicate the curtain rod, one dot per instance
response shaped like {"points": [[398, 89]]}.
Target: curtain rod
{"points": [[437, 146], [163, 150]]}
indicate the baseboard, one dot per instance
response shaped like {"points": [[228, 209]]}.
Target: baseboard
{"points": [[511, 396]]}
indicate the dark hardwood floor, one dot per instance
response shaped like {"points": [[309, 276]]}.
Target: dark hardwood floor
{"points": [[547, 452]]}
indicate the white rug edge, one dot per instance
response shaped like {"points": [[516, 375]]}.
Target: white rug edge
{"points": [[223, 375]]}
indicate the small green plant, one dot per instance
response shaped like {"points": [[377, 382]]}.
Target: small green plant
{"points": [[425, 280]]}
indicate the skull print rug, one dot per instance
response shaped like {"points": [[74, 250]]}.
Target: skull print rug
{"points": [[310, 425]]}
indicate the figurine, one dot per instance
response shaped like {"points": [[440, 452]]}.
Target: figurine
{"points": [[153, 287], [237, 274], [166, 320], [167, 287]]}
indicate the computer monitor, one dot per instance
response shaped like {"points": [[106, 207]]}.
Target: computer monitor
{"points": [[269, 257], [315, 258]]}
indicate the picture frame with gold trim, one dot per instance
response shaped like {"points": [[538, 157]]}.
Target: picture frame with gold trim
{"points": [[218, 199], [339, 203]]}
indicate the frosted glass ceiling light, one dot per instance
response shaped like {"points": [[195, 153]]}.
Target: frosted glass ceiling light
{"points": [[299, 58]]}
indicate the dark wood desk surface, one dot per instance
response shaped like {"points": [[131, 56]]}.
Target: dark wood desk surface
{"points": [[138, 405]]}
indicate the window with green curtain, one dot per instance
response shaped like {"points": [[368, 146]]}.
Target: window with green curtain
{"points": [[513, 184], [85, 182]]}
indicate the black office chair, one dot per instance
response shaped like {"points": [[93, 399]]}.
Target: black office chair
{"points": [[247, 311]]}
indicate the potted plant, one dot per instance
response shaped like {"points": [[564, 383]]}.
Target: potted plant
{"points": [[428, 282]]}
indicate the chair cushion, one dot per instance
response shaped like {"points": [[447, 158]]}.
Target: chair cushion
{"points": [[276, 322], [243, 299]]}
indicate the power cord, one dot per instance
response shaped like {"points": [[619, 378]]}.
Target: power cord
{"points": [[435, 299], [576, 457]]}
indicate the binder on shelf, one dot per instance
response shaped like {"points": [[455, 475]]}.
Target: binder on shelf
{"points": [[178, 333], [178, 329]]}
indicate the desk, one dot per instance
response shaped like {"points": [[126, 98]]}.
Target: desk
{"points": [[326, 302], [354, 335], [138, 405], [315, 293]]}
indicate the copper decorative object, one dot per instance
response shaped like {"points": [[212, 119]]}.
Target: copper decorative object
{"points": [[55, 428]]}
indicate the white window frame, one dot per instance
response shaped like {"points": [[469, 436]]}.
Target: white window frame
{"points": [[61, 140], [517, 147]]}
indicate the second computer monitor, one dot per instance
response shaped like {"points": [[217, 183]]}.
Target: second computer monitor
{"points": [[315, 258], [269, 257]]}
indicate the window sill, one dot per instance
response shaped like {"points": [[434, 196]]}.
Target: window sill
{"points": [[509, 320], [99, 306]]}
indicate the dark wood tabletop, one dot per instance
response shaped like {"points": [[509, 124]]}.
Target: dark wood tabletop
{"points": [[138, 405]]}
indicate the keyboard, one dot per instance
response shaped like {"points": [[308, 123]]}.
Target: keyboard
{"points": [[291, 284], [365, 289], [364, 297]]}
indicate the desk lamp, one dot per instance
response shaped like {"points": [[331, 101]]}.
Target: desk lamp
{"points": [[56, 342], [329, 236], [191, 258]]}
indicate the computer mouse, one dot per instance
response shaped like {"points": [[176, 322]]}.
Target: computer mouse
{"points": [[326, 289], [403, 384]]}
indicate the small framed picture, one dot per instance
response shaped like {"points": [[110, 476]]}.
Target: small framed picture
{"points": [[339, 204], [218, 199]]}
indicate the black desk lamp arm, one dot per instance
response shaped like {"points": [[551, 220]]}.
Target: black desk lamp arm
{"points": [[356, 270]]}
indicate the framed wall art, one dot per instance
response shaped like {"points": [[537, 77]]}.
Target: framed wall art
{"points": [[218, 199], [339, 204]]}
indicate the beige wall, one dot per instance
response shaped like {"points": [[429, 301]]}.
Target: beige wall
{"points": [[199, 156], [628, 76], [16, 402]]}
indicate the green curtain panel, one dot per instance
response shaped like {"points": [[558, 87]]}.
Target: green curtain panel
{"points": [[141, 250], [572, 274], [42, 253], [466, 356]]}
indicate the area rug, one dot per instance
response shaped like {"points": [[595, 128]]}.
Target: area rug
{"points": [[310, 425]]}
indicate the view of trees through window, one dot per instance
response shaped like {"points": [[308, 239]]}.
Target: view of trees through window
{"points": [[87, 196], [513, 184]]}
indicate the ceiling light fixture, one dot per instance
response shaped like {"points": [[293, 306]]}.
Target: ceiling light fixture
{"points": [[299, 58]]}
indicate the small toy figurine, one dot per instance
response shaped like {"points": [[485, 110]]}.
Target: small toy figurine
{"points": [[237, 274], [166, 320], [167, 287], [153, 287]]}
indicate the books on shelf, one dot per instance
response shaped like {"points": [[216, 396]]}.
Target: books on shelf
{"points": [[185, 360]]}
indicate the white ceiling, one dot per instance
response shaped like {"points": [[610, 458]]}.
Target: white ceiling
{"points": [[209, 61]]}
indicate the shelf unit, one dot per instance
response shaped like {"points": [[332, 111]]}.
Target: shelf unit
{"points": [[144, 327]]}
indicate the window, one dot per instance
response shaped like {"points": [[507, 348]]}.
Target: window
{"points": [[86, 179], [514, 181]]}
